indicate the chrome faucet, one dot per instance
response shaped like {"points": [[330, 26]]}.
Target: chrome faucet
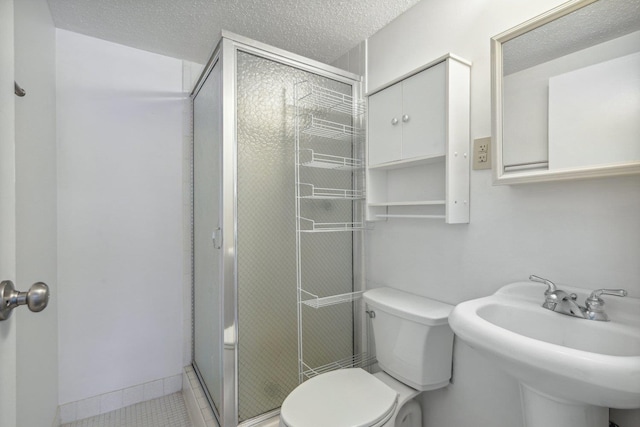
{"points": [[561, 302]]}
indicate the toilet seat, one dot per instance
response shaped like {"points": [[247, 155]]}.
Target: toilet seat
{"points": [[343, 398]]}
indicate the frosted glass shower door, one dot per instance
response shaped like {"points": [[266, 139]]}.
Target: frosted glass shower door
{"points": [[268, 340], [207, 168]]}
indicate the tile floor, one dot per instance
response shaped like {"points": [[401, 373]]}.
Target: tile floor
{"points": [[166, 411]]}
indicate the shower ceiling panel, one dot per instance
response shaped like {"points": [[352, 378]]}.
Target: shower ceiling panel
{"points": [[188, 29]]}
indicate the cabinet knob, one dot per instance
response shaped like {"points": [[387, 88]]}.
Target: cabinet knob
{"points": [[405, 118], [394, 121]]}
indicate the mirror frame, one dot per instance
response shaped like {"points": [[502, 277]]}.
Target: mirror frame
{"points": [[501, 177]]}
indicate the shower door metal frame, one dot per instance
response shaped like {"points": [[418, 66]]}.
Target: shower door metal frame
{"points": [[208, 68], [226, 51]]}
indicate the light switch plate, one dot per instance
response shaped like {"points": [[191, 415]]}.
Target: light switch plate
{"points": [[482, 153]]}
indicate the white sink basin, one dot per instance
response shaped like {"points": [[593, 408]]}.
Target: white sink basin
{"points": [[601, 338], [567, 359]]}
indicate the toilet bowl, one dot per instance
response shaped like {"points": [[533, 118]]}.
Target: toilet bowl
{"points": [[413, 348], [350, 397]]}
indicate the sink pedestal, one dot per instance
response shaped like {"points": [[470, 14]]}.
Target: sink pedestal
{"points": [[541, 410]]}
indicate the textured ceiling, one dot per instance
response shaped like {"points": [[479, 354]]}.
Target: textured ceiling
{"points": [[188, 29], [593, 24]]}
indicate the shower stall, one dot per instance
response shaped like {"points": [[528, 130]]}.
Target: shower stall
{"points": [[278, 188]]}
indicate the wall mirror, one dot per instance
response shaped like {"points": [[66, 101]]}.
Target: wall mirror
{"points": [[566, 94]]}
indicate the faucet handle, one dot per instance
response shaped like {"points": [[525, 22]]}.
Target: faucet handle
{"points": [[551, 286], [595, 305], [616, 292]]}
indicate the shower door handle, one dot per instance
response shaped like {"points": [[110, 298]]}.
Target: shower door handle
{"points": [[216, 238], [36, 298]]}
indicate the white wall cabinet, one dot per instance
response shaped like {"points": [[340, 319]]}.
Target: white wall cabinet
{"points": [[407, 120], [418, 144]]}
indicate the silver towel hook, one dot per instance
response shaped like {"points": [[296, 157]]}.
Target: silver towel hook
{"points": [[18, 90]]}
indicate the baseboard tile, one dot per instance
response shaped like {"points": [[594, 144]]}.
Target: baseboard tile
{"points": [[113, 400]]}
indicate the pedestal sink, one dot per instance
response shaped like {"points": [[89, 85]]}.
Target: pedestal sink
{"points": [[570, 370]]}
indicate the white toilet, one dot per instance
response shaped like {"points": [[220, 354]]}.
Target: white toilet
{"points": [[413, 346]]}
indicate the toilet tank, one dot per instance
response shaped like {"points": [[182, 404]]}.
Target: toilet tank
{"points": [[413, 340]]}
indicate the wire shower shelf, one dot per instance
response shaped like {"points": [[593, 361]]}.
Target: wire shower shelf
{"points": [[310, 191], [314, 301], [313, 106], [329, 100], [310, 226], [311, 159], [331, 130], [361, 360]]}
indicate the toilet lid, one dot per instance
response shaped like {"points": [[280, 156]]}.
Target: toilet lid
{"points": [[343, 398]]}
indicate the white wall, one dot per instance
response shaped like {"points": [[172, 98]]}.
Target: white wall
{"points": [[120, 119], [35, 124], [583, 233]]}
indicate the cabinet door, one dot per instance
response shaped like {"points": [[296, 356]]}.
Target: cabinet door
{"points": [[423, 109], [385, 137]]}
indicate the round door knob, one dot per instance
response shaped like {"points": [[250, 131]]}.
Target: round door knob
{"points": [[38, 297], [394, 121], [405, 118]]}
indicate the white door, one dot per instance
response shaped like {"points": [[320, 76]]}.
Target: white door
{"points": [[7, 212]]}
